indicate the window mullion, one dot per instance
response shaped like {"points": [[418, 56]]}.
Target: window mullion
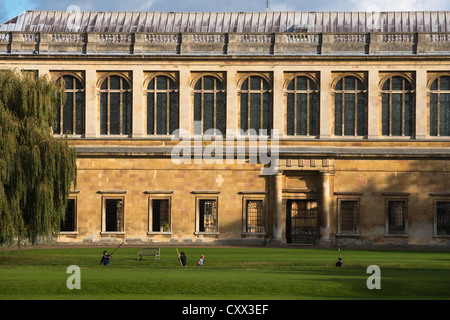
{"points": [[74, 106], [296, 124], [439, 108], [261, 103], [167, 104], [121, 107], [108, 107], [355, 124], [155, 107], [308, 105], [390, 107]]}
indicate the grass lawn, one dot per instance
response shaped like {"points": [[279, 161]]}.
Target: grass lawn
{"points": [[229, 273]]}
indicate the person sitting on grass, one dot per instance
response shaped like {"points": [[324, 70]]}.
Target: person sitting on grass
{"points": [[200, 261], [105, 259], [339, 263]]}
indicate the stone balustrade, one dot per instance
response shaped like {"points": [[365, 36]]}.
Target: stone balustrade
{"points": [[275, 44]]}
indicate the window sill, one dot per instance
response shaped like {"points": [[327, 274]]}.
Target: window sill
{"points": [[69, 136], [355, 235], [441, 236], [396, 235], [68, 233], [206, 233], [400, 138], [253, 233], [108, 233], [159, 233], [347, 137]]}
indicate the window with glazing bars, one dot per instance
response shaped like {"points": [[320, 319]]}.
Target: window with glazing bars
{"points": [[115, 106], [440, 107], [160, 215], [114, 215], [302, 107], [254, 216], [256, 105], [397, 102], [443, 217], [70, 117], [397, 217], [162, 106], [349, 216], [209, 106], [350, 107], [207, 215]]}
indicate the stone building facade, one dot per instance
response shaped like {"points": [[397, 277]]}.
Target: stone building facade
{"points": [[165, 110]]}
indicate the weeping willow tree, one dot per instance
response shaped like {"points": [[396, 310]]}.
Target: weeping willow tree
{"points": [[37, 171]]}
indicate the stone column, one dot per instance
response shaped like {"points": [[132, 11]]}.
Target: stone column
{"points": [[327, 207], [277, 231]]}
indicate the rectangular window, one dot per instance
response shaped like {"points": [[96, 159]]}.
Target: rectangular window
{"points": [[397, 217], [254, 216], [348, 216], [160, 214], [70, 222], [442, 209], [207, 216], [113, 214]]}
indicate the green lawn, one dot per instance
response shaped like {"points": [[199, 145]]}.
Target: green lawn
{"points": [[229, 273]]}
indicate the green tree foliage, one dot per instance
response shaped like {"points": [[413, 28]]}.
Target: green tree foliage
{"points": [[37, 171]]}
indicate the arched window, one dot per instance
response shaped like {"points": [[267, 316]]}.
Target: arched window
{"points": [[440, 107], [350, 109], [302, 107], [115, 106], [162, 106], [397, 107], [70, 115], [256, 105], [209, 106]]}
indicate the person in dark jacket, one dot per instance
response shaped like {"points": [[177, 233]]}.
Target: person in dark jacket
{"points": [[339, 263], [105, 259], [182, 257]]}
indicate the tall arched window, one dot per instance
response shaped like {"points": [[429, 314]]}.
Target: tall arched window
{"points": [[209, 106], [256, 105], [350, 109], [302, 107], [440, 107], [70, 115], [162, 105], [115, 106], [397, 101]]}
